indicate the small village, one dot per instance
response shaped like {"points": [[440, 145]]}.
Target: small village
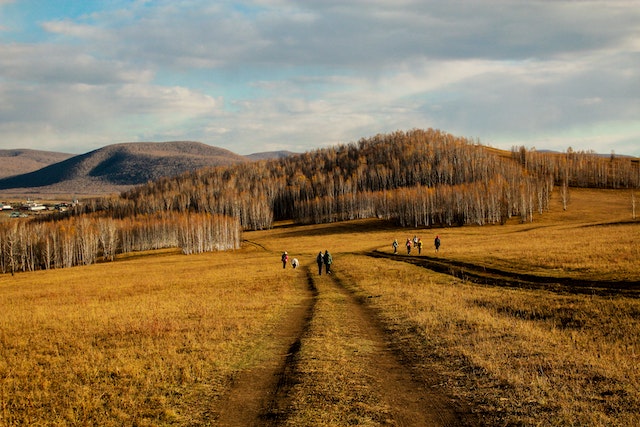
{"points": [[31, 207]]}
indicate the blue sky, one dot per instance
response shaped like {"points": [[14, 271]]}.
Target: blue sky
{"points": [[265, 75]]}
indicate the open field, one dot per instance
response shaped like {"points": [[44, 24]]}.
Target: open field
{"points": [[233, 339]]}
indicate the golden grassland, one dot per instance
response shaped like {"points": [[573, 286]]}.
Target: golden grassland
{"points": [[525, 357], [150, 340], [595, 238], [156, 339]]}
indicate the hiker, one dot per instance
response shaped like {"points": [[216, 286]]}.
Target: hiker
{"points": [[415, 241], [285, 258], [320, 261], [408, 246], [327, 261], [419, 246], [436, 242], [294, 263], [395, 246]]}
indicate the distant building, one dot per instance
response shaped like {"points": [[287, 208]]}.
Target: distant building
{"points": [[33, 206]]}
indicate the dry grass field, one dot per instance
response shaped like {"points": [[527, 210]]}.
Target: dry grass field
{"points": [[233, 339], [148, 340]]}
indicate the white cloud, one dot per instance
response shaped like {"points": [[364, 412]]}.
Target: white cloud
{"points": [[72, 29], [171, 100], [49, 64], [280, 74]]}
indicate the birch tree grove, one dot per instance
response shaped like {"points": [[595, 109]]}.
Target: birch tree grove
{"points": [[28, 246], [581, 168], [379, 176]]}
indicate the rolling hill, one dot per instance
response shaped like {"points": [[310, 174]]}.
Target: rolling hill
{"points": [[21, 161], [118, 167]]}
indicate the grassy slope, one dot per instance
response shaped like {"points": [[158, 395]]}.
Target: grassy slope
{"points": [[144, 341], [155, 340], [595, 238]]}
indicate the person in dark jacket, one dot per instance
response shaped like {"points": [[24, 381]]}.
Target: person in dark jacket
{"points": [[285, 259], [436, 243], [320, 261], [327, 261]]}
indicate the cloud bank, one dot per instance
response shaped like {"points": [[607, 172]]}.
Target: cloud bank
{"points": [[266, 75]]}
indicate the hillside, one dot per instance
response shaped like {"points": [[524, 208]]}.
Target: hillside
{"points": [[21, 161], [416, 178], [118, 167]]}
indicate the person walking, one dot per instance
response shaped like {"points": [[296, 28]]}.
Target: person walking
{"points": [[285, 258], [419, 246], [320, 261], [395, 246], [408, 246], [328, 260], [436, 243]]}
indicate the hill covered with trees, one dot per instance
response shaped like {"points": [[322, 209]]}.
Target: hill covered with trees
{"points": [[418, 178]]}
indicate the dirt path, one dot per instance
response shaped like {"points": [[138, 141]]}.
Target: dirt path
{"points": [[340, 368], [257, 395], [409, 394], [496, 277]]}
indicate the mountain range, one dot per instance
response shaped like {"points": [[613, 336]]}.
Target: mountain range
{"points": [[110, 169]]}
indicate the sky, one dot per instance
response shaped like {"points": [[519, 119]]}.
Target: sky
{"points": [[265, 75]]}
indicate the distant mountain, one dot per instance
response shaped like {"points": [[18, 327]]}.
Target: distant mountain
{"points": [[267, 155], [120, 166], [20, 161]]}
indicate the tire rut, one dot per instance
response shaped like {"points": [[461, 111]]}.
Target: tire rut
{"points": [[278, 407], [495, 277], [411, 393], [260, 396], [370, 380]]}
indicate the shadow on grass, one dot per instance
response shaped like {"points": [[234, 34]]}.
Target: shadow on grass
{"points": [[344, 227], [495, 277]]}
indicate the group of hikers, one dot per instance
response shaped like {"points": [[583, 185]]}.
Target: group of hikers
{"points": [[325, 259], [416, 243], [322, 259]]}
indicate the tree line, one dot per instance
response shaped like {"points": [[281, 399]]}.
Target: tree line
{"points": [[585, 169], [82, 240]]}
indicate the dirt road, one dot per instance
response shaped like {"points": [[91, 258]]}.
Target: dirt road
{"points": [[496, 277], [338, 367]]}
